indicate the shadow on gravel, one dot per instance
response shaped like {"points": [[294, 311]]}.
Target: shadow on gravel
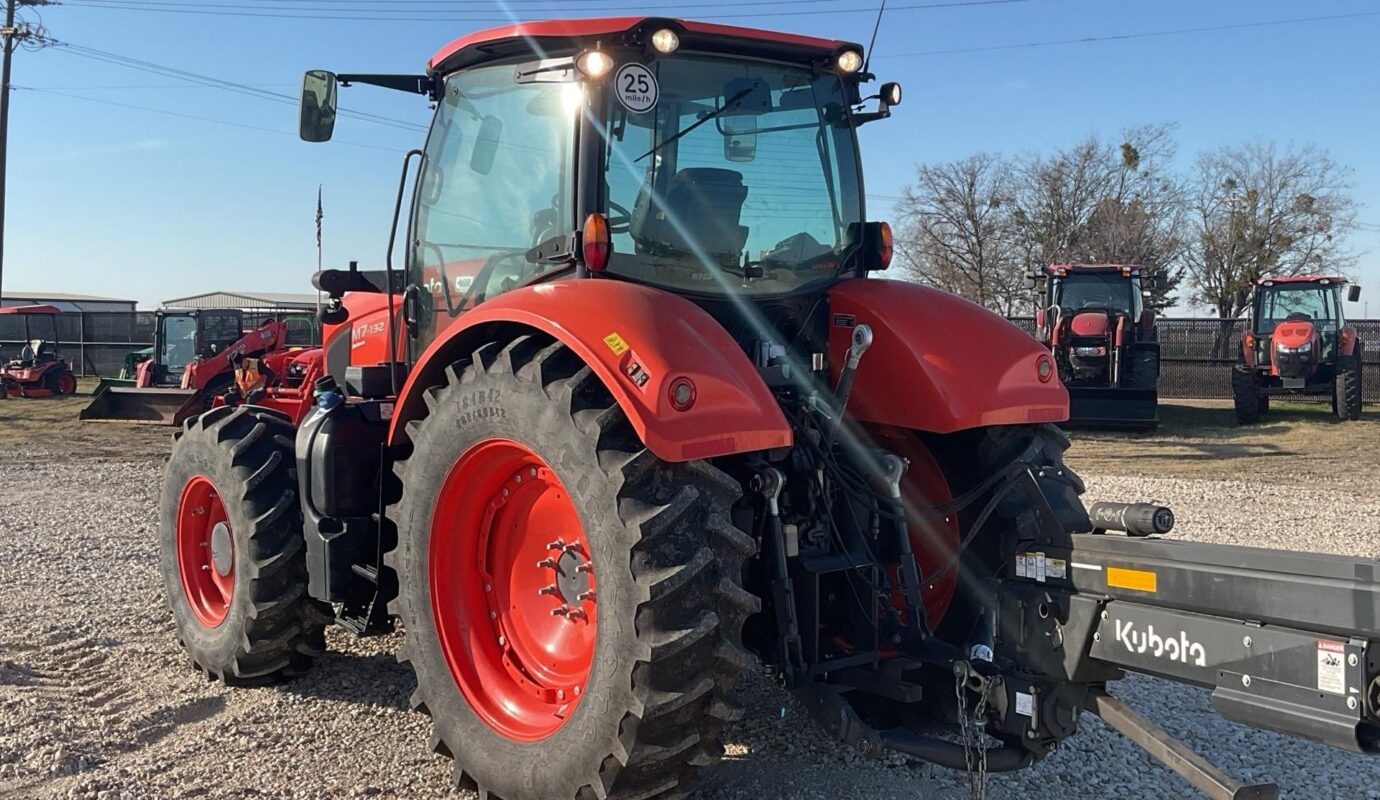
{"points": [[376, 679]]}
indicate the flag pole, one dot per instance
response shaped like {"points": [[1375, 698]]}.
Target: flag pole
{"points": [[319, 216]]}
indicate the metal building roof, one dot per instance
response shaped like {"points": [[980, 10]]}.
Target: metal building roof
{"points": [[226, 299]]}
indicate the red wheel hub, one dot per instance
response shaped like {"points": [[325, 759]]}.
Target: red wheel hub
{"points": [[205, 551], [512, 589]]}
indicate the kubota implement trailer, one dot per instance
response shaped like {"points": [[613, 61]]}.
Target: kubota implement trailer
{"points": [[1094, 319], [1298, 343], [634, 415], [40, 370], [193, 360]]}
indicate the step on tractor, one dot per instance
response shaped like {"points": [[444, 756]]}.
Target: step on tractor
{"points": [[192, 362], [1298, 343], [633, 415], [39, 370], [1106, 350]]}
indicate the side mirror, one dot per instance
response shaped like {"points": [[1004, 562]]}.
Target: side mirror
{"points": [[1353, 293], [486, 145], [316, 121]]}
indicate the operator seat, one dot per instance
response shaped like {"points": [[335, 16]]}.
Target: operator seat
{"points": [[700, 211]]}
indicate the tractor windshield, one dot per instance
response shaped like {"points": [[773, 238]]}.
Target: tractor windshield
{"points": [[1309, 302], [1100, 290], [740, 176]]}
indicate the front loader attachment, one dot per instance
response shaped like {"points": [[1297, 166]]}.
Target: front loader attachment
{"points": [[1113, 407], [148, 406]]}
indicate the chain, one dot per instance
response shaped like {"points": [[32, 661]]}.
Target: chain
{"points": [[971, 730]]}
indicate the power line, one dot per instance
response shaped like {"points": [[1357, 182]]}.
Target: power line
{"points": [[265, 13], [182, 115], [215, 83], [1124, 36]]}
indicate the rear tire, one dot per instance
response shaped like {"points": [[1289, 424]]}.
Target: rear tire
{"points": [[61, 382], [1246, 397], [1346, 398], [663, 557], [238, 593]]}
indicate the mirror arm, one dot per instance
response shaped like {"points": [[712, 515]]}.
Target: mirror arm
{"points": [[415, 84], [883, 112]]}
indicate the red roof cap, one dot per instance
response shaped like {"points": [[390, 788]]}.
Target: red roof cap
{"points": [[39, 309], [568, 28], [1302, 279]]}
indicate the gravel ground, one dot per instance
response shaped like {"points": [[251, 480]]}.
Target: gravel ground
{"points": [[97, 700]]}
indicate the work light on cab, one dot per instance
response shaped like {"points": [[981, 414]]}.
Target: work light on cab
{"points": [[850, 61], [665, 41], [594, 63]]}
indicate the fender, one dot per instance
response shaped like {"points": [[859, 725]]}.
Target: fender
{"points": [[939, 363], [638, 341]]}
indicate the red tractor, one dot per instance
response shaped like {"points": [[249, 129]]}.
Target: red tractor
{"points": [[193, 362], [634, 416], [1298, 343], [1094, 319], [40, 370]]}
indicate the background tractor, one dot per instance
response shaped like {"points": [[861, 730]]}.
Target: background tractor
{"points": [[1298, 343], [192, 362], [40, 370], [634, 416], [1094, 319]]}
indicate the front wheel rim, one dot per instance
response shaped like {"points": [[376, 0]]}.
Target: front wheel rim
{"points": [[513, 591], [205, 552]]}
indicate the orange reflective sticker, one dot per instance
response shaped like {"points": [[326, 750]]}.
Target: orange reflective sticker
{"points": [[1136, 579], [616, 343]]}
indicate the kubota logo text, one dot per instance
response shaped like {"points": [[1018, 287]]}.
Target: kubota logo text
{"points": [[1181, 649]]}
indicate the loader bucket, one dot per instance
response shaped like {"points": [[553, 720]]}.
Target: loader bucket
{"points": [[150, 406], [1099, 407]]}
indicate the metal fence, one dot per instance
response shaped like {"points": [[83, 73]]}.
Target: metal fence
{"points": [[96, 342], [1196, 355]]}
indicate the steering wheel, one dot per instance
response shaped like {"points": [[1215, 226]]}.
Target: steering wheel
{"points": [[620, 222]]}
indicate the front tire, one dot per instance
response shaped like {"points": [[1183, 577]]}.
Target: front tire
{"points": [[1346, 398], [624, 568], [231, 549], [1246, 397]]}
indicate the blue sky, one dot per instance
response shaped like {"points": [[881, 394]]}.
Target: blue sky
{"points": [[108, 199]]}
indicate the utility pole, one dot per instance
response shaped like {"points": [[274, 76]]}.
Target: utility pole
{"points": [[10, 37]]}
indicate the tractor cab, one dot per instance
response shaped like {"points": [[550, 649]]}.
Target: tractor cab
{"points": [[695, 158], [1103, 338], [1298, 342], [182, 338]]}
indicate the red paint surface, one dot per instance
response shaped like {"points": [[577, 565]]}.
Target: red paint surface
{"points": [[667, 336], [1088, 324], [940, 363], [568, 28]]}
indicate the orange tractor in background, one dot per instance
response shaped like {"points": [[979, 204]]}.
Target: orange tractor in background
{"points": [[39, 370], [1104, 342], [1298, 343], [194, 358], [635, 415]]}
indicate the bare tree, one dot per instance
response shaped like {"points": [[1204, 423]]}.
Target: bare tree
{"points": [[1257, 210], [1100, 202], [956, 231]]}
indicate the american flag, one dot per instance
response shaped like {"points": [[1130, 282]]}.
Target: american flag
{"points": [[319, 217]]}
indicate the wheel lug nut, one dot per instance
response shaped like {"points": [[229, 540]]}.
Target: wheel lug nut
{"points": [[583, 596], [560, 612], [546, 563], [545, 590], [573, 547], [488, 587], [556, 545], [576, 613], [585, 567], [560, 694], [502, 641]]}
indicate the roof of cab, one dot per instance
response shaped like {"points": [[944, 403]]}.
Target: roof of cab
{"points": [[1094, 267], [571, 28]]}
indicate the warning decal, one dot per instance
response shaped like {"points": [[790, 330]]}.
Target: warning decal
{"points": [[616, 343], [1331, 667], [636, 88]]}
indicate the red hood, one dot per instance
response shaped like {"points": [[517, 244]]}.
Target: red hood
{"points": [[1089, 324], [1293, 333]]}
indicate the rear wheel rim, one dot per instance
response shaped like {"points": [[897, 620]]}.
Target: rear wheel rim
{"points": [[67, 384], [205, 552], [513, 590]]}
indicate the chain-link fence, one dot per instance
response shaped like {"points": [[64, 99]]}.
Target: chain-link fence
{"points": [[97, 342], [1196, 355]]}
